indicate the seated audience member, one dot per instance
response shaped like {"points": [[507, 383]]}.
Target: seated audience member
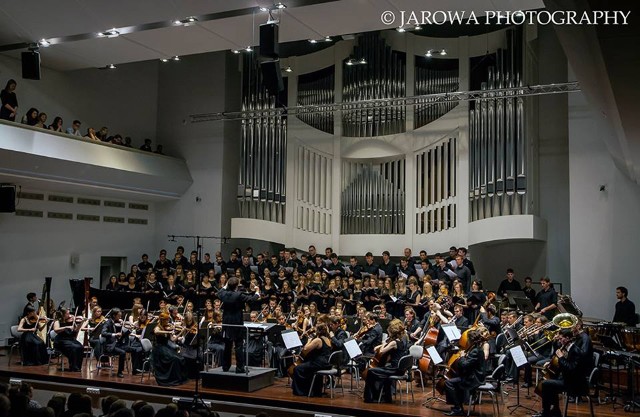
{"points": [[117, 139], [146, 146], [41, 123], [56, 126], [74, 130], [127, 142], [91, 135], [31, 117], [103, 134], [159, 150]]}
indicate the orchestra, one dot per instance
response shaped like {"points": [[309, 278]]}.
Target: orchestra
{"points": [[190, 311]]}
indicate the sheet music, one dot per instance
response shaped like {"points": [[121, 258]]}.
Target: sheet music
{"points": [[453, 264], [420, 272], [417, 266], [353, 350], [393, 298], [381, 273], [291, 339], [347, 270], [331, 272], [435, 356], [519, 358], [217, 269], [452, 332], [403, 275], [254, 268], [450, 273], [327, 262]]}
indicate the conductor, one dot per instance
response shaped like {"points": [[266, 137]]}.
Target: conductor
{"points": [[234, 303]]}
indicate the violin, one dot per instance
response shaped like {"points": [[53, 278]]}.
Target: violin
{"points": [[362, 331]]}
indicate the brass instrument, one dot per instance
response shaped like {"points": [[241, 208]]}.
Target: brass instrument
{"points": [[561, 321]]}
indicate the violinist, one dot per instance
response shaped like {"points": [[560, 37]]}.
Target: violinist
{"points": [[394, 348], [280, 358], [255, 345], [302, 323], [34, 351], [66, 330], [316, 353], [372, 336], [432, 318], [94, 328], [573, 374], [459, 319], [338, 337], [189, 350], [215, 343], [471, 374], [382, 312], [411, 323], [115, 334], [489, 320], [168, 366], [135, 347]]}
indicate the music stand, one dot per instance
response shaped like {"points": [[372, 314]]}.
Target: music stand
{"points": [[519, 359], [512, 295], [524, 304], [436, 360], [354, 352]]}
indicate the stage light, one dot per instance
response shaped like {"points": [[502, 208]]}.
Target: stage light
{"points": [[401, 29], [280, 6], [288, 69], [111, 33], [327, 38], [417, 27], [443, 52], [429, 54], [362, 61], [248, 49], [44, 43], [313, 41], [235, 51], [350, 62], [264, 9], [164, 59], [176, 58]]}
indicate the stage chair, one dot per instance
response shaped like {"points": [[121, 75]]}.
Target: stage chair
{"points": [[108, 355], [53, 352], [335, 360], [416, 353], [493, 387], [404, 374], [146, 346], [15, 343], [593, 383]]}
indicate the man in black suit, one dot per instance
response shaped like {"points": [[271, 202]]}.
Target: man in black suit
{"points": [[339, 336], [113, 333], [234, 303], [574, 371], [458, 317], [471, 375], [373, 337]]}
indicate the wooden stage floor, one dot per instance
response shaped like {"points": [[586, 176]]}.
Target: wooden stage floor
{"points": [[278, 395]]}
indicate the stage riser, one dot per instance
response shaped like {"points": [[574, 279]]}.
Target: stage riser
{"points": [[258, 378]]}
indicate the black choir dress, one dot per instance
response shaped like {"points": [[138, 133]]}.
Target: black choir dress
{"points": [[66, 343], [34, 351], [168, 366], [378, 378], [316, 360]]}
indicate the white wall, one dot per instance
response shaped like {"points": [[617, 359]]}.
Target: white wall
{"points": [[125, 99], [34, 248], [605, 225]]}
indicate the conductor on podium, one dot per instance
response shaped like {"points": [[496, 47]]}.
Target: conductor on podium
{"points": [[234, 302]]}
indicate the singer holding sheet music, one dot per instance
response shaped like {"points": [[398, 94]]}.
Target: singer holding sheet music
{"points": [[234, 302]]}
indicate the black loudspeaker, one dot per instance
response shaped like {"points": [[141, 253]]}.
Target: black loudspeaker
{"points": [[269, 47], [272, 76], [31, 65], [7, 198]]}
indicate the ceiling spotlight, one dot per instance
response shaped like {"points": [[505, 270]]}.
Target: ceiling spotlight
{"points": [[111, 33], [429, 54], [164, 59], [327, 38], [280, 6], [288, 69], [362, 61], [111, 66], [248, 49], [443, 52], [235, 51], [313, 41], [417, 27], [44, 43], [176, 58], [350, 62], [177, 22], [401, 29], [264, 9]]}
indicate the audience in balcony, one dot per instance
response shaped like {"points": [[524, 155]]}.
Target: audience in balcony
{"points": [[42, 119], [9, 99], [56, 126], [31, 117], [91, 135], [74, 130], [146, 146]]}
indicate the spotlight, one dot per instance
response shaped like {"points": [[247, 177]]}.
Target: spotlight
{"points": [[350, 62], [44, 43], [417, 27], [313, 41], [192, 19], [327, 38], [362, 61], [176, 58], [111, 66], [443, 52], [401, 29], [280, 6], [235, 51], [288, 69], [429, 54], [164, 59], [177, 22], [111, 33], [248, 49], [264, 9]]}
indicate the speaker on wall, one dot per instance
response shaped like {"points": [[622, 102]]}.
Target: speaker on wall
{"points": [[269, 46], [31, 65], [7, 198], [272, 76]]}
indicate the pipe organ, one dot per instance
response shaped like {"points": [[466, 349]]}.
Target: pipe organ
{"points": [[373, 197], [431, 78], [381, 75], [435, 179], [313, 191], [317, 89], [263, 169], [497, 142]]}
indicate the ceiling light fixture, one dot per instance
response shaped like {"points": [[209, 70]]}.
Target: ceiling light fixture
{"points": [[362, 61], [176, 58], [350, 62], [280, 6], [429, 54], [313, 41], [328, 38], [164, 59], [288, 69], [401, 29], [235, 51], [417, 27], [248, 49], [111, 66], [443, 52], [44, 43], [111, 33]]}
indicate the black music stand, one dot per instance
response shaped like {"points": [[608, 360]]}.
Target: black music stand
{"points": [[197, 403], [434, 397], [517, 405]]}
